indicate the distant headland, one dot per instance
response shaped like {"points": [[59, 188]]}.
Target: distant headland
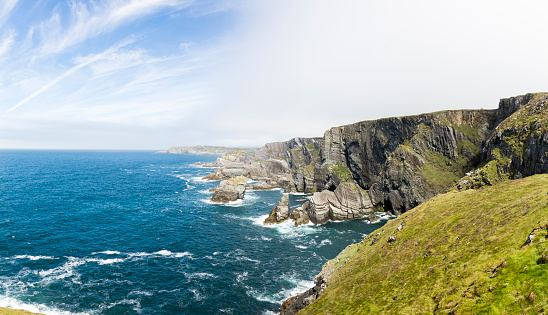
{"points": [[201, 150]]}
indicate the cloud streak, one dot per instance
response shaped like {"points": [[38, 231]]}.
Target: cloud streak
{"points": [[70, 72], [91, 20], [6, 7]]}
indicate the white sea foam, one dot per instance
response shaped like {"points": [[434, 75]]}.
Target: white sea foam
{"points": [[325, 242], [199, 179], [108, 252], [68, 269], [30, 257], [139, 292], [301, 247], [197, 295], [297, 286], [288, 229], [241, 276], [200, 275]]}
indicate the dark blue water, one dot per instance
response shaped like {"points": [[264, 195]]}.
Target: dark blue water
{"points": [[134, 233]]}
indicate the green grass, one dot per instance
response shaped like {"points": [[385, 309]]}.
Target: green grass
{"points": [[341, 171], [7, 311], [444, 258]]}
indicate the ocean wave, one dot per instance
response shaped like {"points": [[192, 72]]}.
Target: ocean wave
{"points": [[237, 203], [200, 275], [30, 257], [325, 242], [108, 252], [287, 229], [296, 286], [198, 179], [241, 276], [197, 295], [68, 269], [139, 292]]}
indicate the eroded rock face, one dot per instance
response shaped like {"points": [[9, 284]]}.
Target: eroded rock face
{"points": [[294, 304], [280, 212], [347, 202], [299, 216], [230, 190], [523, 136]]}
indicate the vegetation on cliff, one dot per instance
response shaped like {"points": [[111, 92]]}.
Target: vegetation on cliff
{"points": [[473, 251], [7, 311]]}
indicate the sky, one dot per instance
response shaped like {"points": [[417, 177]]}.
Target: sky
{"points": [[151, 74]]}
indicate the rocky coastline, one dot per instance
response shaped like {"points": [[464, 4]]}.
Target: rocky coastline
{"points": [[392, 164], [387, 165], [199, 150]]}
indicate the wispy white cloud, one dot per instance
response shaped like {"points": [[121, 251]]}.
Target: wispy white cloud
{"points": [[88, 20], [84, 62], [7, 42], [6, 6]]}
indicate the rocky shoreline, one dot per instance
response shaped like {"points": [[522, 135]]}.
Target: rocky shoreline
{"points": [[391, 164]]}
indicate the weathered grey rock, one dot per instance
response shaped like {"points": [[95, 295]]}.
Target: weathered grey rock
{"points": [[263, 186], [347, 202], [294, 304], [280, 212], [230, 190], [299, 216], [372, 217]]}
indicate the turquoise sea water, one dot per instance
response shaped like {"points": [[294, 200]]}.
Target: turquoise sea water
{"points": [[134, 233]]}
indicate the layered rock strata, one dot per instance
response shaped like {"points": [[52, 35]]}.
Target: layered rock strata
{"points": [[280, 212], [397, 163], [230, 190]]}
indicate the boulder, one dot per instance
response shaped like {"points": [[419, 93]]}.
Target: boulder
{"points": [[299, 216], [347, 202], [230, 190], [280, 212]]}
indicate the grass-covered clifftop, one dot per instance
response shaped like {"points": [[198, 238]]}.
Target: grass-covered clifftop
{"points": [[459, 252], [7, 311]]}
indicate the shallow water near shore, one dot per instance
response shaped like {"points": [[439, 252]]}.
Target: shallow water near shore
{"points": [[134, 233]]}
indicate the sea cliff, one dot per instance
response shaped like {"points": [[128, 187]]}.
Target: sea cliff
{"points": [[478, 248], [394, 164]]}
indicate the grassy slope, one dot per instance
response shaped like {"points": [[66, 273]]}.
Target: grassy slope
{"points": [[444, 257], [7, 311]]}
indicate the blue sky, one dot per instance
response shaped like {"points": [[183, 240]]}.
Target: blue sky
{"points": [[150, 74]]}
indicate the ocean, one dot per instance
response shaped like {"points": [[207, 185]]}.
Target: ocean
{"points": [[86, 232]]}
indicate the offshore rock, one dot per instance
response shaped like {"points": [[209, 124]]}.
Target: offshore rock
{"points": [[230, 190], [299, 216], [280, 212], [347, 202]]}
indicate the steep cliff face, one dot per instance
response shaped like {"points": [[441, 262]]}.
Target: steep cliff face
{"points": [[400, 162], [523, 136], [518, 146], [444, 258], [403, 161]]}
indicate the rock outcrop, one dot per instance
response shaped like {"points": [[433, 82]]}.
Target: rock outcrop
{"points": [[230, 190], [517, 147], [347, 202], [400, 162], [280, 213]]}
